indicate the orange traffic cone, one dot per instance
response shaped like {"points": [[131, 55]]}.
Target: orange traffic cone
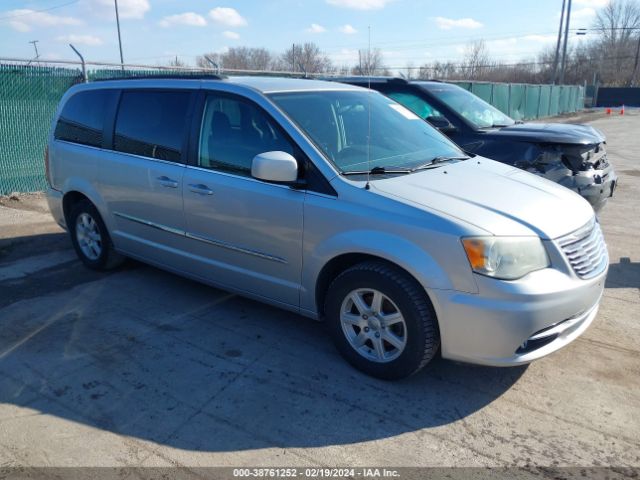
{"points": [[608, 111], [622, 110]]}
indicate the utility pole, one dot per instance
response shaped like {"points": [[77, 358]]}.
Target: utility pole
{"points": [[119, 37], [566, 40], [293, 57], [556, 59], [35, 46], [635, 64]]}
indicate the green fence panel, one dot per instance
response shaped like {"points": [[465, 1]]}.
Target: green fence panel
{"points": [[532, 101], [501, 97], [554, 101], [573, 99], [565, 99], [579, 100], [517, 102], [465, 85], [482, 90], [545, 101], [29, 96]]}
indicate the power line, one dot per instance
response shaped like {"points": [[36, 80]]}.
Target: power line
{"points": [[31, 12]]}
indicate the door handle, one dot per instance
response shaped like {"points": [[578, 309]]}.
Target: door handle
{"points": [[167, 182], [200, 189]]}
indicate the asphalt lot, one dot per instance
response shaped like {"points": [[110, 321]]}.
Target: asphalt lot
{"points": [[143, 368]]}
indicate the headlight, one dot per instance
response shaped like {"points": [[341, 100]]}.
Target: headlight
{"points": [[506, 258]]}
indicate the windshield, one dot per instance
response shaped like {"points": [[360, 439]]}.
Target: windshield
{"points": [[474, 109], [338, 123]]}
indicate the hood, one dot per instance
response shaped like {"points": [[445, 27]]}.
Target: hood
{"points": [[550, 133], [497, 198]]}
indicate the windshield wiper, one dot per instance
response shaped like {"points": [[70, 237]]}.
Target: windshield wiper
{"points": [[495, 125], [378, 171], [436, 160]]}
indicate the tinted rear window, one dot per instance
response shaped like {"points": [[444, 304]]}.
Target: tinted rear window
{"points": [[82, 118], [152, 124]]}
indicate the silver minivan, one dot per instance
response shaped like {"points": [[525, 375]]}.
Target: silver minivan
{"points": [[331, 201]]}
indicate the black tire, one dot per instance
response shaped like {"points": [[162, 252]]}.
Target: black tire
{"points": [[422, 334], [108, 258]]}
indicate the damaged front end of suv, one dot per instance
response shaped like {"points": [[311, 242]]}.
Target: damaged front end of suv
{"points": [[579, 167]]}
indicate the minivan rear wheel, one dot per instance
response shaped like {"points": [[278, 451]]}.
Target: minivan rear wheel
{"points": [[381, 320], [91, 239]]}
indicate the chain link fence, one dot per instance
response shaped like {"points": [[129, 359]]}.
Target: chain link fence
{"points": [[29, 95]]}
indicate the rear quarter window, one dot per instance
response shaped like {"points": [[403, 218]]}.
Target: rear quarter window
{"points": [[152, 123], [83, 116]]}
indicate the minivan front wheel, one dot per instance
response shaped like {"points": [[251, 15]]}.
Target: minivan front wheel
{"points": [[381, 320], [91, 239]]}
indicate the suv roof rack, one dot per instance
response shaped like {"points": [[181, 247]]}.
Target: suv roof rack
{"points": [[178, 76]]}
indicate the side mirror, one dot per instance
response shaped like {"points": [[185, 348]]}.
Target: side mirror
{"points": [[441, 124], [276, 166]]}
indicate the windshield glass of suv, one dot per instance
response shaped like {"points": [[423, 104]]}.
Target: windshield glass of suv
{"points": [[338, 123], [474, 109]]}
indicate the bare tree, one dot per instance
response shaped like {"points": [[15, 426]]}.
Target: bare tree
{"points": [[619, 24], [475, 62], [239, 58], [409, 72], [202, 62], [618, 21], [176, 62], [370, 62], [307, 58]]}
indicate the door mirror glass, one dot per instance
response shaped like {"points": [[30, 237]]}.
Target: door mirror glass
{"points": [[275, 166]]}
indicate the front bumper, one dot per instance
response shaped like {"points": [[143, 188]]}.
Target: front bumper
{"points": [[514, 323], [596, 187]]}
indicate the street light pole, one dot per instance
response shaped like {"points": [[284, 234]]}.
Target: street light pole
{"points": [[119, 37]]}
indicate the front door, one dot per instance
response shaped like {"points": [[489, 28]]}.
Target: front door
{"points": [[245, 233]]}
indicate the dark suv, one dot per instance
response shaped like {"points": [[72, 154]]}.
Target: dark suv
{"points": [[571, 155]]}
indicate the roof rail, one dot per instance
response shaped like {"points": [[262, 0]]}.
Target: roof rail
{"points": [[364, 79], [160, 76]]}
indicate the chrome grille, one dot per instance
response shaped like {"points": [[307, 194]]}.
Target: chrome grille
{"points": [[586, 251]]}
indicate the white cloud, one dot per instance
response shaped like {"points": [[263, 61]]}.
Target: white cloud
{"points": [[592, 3], [315, 28], [348, 29], [88, 40], [231, 35], [449, 23], [227, 16], [583, 13], [127, 9], [24, 19], [188, 18], [359, 4]]}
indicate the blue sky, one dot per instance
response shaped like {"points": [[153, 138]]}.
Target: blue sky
{"points": [[415, 31]]}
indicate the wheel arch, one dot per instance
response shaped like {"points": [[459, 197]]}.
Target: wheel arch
{"points": [[69, 200], [342, 262], [76, 190]]}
